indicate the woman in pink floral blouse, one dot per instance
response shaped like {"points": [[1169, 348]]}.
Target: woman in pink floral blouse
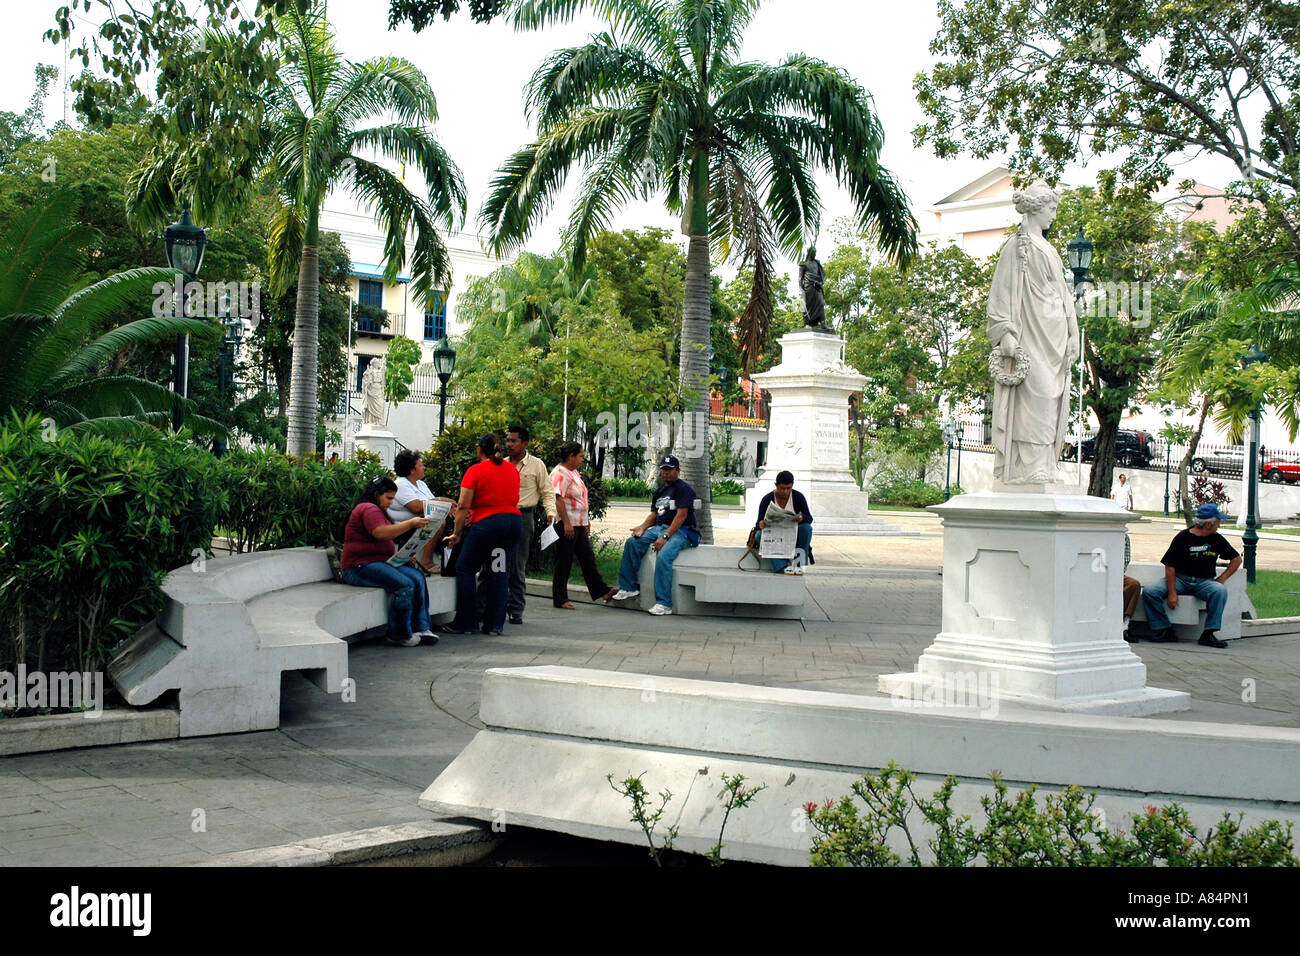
{"points": [[571, 503]]}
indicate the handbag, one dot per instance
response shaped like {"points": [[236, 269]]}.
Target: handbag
{"points": [[751, 547]]}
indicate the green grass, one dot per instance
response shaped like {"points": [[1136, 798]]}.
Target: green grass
{"points": [[873, 506], [1282, 530], [1269, 593]]}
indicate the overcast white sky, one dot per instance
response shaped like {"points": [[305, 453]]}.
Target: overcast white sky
{"points": [[478, 73]]}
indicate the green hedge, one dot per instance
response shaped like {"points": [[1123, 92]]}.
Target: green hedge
{"points": [[908, 492], [88, 528], [628, 488], [726, 486], [274, 501]]}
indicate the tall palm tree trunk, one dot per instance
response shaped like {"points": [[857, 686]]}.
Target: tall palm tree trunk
{"points": [[306, 347], [693, 377]]}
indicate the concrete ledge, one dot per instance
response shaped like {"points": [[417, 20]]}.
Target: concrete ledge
{"points": [[422, 843], [1223, 761], [26, 735], [1270, 626], [554, 734]]}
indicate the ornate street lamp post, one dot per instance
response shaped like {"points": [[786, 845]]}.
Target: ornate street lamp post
{"points": [[444, 361], [185, 244], [1078, 256], [947, 472], [1250, 540], [234, 329], [960, 433], [1168, 444]]}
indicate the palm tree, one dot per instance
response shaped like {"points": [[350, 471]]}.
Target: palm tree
{"points": [[51, 361], [309, 140], [660, 105]]}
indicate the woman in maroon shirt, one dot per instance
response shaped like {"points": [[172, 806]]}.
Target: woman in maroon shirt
{"points": [[489, 501], [367, 546]]}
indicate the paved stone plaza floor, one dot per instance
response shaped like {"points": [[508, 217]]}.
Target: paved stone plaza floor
{"points": [[335, 766]]}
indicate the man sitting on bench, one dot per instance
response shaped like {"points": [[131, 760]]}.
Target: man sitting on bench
{"points": [[668, 528], [1190, 564]]}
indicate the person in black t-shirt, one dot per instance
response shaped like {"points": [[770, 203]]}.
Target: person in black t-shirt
{"points": [[1190, 566], [668, 528]]}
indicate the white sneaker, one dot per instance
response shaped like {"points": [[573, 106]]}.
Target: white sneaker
{"points": [[624, 595], [412, 641], [661, 609]]}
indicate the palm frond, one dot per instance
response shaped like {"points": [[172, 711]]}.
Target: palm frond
{"points": [[735, 211], [415, 146], [396, 208], [284, 248]]}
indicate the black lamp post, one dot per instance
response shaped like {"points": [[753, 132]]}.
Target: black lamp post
{"points": [[960, 433], [234, 329], [444, 361], [1078, 256], [185, 243], [1250, 540], [947, 472], [1168, 445]]}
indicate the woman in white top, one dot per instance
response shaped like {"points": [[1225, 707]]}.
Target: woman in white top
{"points": [[571, 505], [411, 495]]}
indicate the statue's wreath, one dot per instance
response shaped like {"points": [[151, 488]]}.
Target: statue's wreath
{"points": [[998, 367]]}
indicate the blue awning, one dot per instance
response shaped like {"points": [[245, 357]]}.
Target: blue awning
{"points": [[368, 271]]}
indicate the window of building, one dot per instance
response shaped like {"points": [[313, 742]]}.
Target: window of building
{"points": [[362, 362], [435, 322], [370, 292]]}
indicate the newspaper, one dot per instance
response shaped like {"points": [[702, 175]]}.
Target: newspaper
{"points": [[549, 536], [436, 512], [781, 536]]}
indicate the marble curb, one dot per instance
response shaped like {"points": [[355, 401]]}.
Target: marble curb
{"points": [[420, 843], [26, 735]]}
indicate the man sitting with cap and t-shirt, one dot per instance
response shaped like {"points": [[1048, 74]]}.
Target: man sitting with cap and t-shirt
{"points": [[1190, 566], [669, 527]]}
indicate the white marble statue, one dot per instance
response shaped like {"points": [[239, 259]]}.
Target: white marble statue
{"points": [[1035, 336], [374, 409]]}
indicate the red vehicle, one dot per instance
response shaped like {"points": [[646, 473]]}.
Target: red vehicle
{"points": [[1278, 470]]}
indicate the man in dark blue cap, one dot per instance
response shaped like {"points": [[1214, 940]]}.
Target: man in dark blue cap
{"points": [[669, 527], [1190, 566]]}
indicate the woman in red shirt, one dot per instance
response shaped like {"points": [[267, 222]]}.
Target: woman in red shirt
{"points": [[489, 502], [367, 546]]}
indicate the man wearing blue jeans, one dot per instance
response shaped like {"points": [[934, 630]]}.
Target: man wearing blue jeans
{"points": [[668, 528], [1190, 565]]}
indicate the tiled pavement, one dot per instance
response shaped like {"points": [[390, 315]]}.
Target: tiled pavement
{"points": [[337, 766]]}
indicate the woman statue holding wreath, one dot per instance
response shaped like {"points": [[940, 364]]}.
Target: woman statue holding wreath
{"points": [[1035, 336]]}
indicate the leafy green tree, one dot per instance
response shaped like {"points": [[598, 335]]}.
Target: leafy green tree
{"points": [[1142, 258], [309, 140], [51, 364], [422, 13], [18, 129], [659, 104], [1054, 81]]}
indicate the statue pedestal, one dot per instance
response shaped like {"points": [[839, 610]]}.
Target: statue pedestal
{"points": [[808, 433], [1032, 609], [377, 441]]}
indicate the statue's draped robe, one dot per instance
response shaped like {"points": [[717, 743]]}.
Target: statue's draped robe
{"points": [[1030, 300]]}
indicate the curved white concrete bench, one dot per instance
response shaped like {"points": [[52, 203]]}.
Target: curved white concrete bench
{"points": [[1188, 619], [228, 631], [707, 581]]}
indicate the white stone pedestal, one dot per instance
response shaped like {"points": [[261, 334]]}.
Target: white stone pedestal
{"points": [[377, 441], [1032, 608], [808, 433]]}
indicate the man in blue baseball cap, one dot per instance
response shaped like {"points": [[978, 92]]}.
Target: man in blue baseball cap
{"points": [[1191, 564], [668, 528]]}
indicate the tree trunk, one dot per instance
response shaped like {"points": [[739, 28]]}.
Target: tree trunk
{"points": [[693, 376], [1103, 462], [306, 346]]}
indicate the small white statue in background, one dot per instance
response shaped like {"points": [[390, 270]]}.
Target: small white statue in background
{"points": [[1034, 332], [374, 409]]}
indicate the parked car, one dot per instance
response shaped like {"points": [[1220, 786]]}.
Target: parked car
{"points": [[1224, 461], [1133, 449], [1278, 470]]}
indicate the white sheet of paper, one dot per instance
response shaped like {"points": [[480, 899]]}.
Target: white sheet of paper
{"points": [[548, 537], [780, 537], [436, 512]]}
